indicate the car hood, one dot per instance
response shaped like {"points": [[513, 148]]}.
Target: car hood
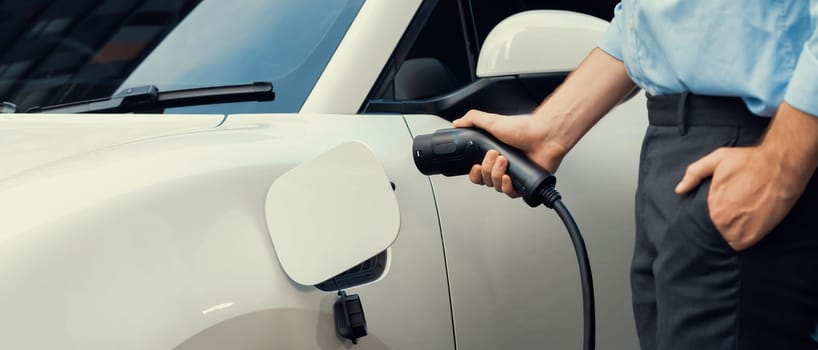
{"points": [[30, 141]]}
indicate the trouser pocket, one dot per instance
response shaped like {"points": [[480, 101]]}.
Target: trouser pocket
{"points": [[697, 280], [701, 226]]}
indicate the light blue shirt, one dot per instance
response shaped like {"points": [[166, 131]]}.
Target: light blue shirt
{"points": [[763, 51]]}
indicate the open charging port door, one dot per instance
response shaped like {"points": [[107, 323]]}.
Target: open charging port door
{"points": [[329, 214]]}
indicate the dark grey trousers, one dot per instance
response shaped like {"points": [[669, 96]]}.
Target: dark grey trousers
{"points": [[691, 291]]}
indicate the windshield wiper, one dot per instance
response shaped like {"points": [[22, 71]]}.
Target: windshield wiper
{"points": [[148, 99]]}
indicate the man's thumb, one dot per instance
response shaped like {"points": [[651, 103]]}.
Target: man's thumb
{"points": [[476, 118]]}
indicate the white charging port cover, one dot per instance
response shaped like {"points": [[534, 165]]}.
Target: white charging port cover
{"points": [[331, 213]]}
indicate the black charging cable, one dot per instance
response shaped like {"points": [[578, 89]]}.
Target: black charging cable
{"points": [[552, 199]]}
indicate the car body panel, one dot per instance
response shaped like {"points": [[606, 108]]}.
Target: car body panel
{"points": [[512, 269], [146, 243], [33, 140], [363, 52]]}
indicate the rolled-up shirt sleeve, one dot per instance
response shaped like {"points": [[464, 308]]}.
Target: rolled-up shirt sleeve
{"points": [[612, 40], [802, 92]]}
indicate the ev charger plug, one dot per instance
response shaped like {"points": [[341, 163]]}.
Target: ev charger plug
{"points": [[453, 152]]}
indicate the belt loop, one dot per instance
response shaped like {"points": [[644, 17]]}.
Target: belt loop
{"points": [[681, 113]]}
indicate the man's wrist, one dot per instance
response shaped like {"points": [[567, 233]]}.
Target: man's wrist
{"points": [[552, 128], [792, 142]]}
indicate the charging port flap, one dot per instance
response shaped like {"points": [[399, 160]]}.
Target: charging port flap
{"points": [[331, 213]]}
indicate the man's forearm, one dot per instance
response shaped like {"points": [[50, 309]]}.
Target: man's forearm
{"points": [[593, 89], [792, 138]]}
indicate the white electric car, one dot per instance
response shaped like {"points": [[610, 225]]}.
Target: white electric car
{"points": [[134, 215]]}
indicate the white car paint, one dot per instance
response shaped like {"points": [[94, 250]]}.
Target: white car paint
{"points": [[158, 242], [360, 57], [359, 216], [34, 140], [538, 42]]}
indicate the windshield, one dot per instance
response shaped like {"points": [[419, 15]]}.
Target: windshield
{"points": [[60, 51]]}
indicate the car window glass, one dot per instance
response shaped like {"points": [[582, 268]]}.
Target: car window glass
{"points": [[287, 42], [437, 59], [59, 51]]}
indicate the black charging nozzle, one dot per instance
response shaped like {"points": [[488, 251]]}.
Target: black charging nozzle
{"points": [[453, 152]]}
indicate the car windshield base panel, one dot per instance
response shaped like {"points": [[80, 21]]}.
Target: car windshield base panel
{"points": [[148, 99]]}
